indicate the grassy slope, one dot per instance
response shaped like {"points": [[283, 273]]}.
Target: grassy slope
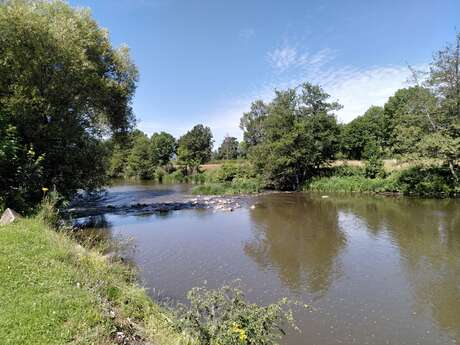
{"points": [[53, 291]]}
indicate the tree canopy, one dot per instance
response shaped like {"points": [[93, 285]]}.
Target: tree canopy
{"points": [[62, 88], [299, 133], [228, 149], [195, 147]]}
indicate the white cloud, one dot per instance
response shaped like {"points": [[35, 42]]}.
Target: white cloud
{"points": [[355, 88], [288, 58]]}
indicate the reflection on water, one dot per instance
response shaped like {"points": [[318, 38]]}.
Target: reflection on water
{"points": [[299, 237], [377, 270]]}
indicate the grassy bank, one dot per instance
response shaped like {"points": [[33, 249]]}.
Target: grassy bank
{"points": [[230, 179], [348, 184], [432, 181], [53, 291]]}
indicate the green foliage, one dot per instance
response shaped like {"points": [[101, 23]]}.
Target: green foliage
{"points": [[21, 171], [431, 181], [419, 180], [228, 149], [229, 171], [139, 163], [163, 148], [235, 187], [223, 316], [343, 171], [49, 208], [230, 179], [252, 124], [350, 184], [62, 87], [195, 147], [374, 167], [362, 134], [60, 293], [300, 133]]}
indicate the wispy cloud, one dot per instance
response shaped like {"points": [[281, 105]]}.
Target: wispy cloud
{"points": [[288, 58], [355, 88]]}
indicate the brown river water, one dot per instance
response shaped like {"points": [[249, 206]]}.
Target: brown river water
{"points": [[377, 270]]}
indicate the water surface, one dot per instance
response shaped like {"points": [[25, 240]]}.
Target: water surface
{"points": [[377, 270]]}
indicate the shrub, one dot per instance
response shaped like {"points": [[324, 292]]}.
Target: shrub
{"points": [[343, 170], [229, 171], [223, 316], [428, 181], [49, 208], [374, 167]]}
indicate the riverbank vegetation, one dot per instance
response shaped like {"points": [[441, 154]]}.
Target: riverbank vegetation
{"points": [[63, 88], [55, 291]]}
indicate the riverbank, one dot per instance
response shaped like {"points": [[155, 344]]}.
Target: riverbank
{"points": [[54, 291]]}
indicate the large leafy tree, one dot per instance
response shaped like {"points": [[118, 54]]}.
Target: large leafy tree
{"points": [[139, 160], [252, 124], [229, 148], [362, 136], [62, 88], [300, 133], [195, 147], [163, 148], [407, 117], [443, 142]]}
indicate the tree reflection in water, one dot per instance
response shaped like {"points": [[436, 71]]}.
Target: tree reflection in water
{"points": [[299, 238]]}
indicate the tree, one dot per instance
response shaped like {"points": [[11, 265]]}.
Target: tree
{"points": [[63, 87], [229, 148], [300, 133], [139, 163], [444, 81], [407, 118], [252, 123], [438, 114], [364, 134], [163, 148], [195, 147]]}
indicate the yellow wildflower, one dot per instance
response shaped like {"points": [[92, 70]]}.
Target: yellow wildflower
{"points": [[44, 189]]}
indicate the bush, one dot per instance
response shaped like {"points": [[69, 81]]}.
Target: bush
{"points": [[374, 167], [230, 171], [343, 170], [49, 208], [428, 181], [223, 316]]}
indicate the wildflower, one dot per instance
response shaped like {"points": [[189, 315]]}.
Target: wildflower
{"points": [[241, 332], [44, 189]]}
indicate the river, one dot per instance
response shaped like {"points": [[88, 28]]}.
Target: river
{"points": [[377, 270]]}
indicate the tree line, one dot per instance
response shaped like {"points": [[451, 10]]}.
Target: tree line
{"points": [[64, 90], [292, 137]]}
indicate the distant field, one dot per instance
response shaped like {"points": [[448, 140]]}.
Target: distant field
{"points": [[390, 164]]}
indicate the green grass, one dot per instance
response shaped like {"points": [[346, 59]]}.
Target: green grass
{"points": [[53, 291], [235, 187], [353, 184]]}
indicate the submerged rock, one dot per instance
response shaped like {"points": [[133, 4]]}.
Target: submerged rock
{"points": [[9, 216]]}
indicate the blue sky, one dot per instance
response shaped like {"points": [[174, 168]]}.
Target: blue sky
{"points": [[204, 61]]}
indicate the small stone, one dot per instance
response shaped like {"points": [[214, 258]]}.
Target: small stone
{"points": [[9, 216]]}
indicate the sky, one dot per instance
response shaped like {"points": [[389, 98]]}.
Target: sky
{"points": [[205, 61]]}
